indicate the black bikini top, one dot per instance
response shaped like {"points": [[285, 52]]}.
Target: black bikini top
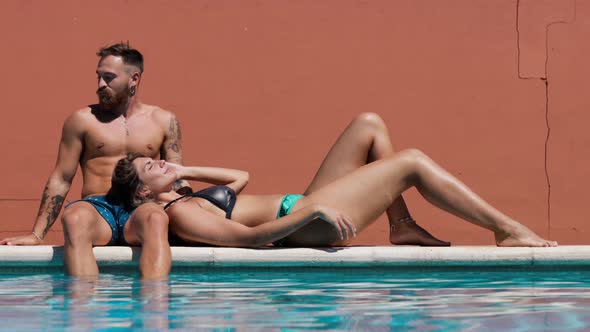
{"points": [[223, 197]]}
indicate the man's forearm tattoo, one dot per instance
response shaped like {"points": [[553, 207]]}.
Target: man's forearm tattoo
{"points": [[52, 210], [43, 201]]}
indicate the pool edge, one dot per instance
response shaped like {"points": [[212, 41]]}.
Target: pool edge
{"points": [[51, 257]]}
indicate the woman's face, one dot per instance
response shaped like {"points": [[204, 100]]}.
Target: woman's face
{"points": [[155, 174]]}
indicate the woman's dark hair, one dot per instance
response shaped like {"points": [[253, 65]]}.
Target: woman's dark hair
{"points": [[125, 184]]}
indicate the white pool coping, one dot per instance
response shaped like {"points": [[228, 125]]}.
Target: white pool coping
{"points": [[371, 256]]}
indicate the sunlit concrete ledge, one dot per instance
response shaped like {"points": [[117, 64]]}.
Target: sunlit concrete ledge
{"points": [[371, 256]]}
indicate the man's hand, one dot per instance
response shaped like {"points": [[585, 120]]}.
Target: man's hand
{"points": [[23, 240]]}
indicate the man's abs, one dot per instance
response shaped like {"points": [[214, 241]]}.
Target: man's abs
{"points": [[97, 174]]}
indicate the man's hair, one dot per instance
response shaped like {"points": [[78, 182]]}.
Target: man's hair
{"points": [[129, 55], [125, 184]]}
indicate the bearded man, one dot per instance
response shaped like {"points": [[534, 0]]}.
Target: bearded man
{"points": [[96, 137]]}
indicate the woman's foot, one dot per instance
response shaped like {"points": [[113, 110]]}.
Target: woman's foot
{"points": [[520, 236], [408, 232]]}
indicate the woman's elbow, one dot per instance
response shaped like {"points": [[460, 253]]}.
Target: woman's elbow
{"points": [[243, 244], [250, 246], [252, 240], [241, 182], [245, 177]]}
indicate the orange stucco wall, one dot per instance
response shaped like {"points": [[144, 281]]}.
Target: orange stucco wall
{"points": [[493, 90]]}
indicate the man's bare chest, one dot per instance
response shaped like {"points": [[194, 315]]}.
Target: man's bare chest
{"points": [[118, 138]]}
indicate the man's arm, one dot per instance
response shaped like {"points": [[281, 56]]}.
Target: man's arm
{"points": [[58, 184], [171, 151]]}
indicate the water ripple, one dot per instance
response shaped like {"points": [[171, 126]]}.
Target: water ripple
{"points": [[428, 301]]}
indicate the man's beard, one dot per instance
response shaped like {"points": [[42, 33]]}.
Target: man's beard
{"points": [[109, 100]]}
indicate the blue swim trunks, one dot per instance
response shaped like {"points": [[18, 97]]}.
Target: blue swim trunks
{"points": [[114, 214]]}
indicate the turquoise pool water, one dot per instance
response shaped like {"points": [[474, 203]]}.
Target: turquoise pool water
{"points": [[360, 300]]}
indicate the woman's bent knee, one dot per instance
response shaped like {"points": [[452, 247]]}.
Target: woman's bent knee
{"points": [[413, 160], [414, 154], [371, 120]]}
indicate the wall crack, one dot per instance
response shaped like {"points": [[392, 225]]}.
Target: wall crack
{"points": [[546, 81]]}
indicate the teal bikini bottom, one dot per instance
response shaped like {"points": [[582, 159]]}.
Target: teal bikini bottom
{"points": [[285, 208], [287, 204]]}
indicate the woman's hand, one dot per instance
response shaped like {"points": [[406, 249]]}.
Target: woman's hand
{"points": [[176, 168], [343, 224]]}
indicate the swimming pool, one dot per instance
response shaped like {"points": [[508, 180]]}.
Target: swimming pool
{"points": [[360, 299]]}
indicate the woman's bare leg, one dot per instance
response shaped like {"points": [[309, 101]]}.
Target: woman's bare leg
{"points": [[367, 192], [366, 139]]}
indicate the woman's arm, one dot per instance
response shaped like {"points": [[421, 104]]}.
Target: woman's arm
{"points": [[194, 224], [232, 178]]}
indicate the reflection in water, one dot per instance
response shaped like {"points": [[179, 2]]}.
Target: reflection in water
{"points": [[384, 301], [90, 302], [154, 299]]}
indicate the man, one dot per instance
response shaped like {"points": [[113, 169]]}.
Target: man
{"points": [[96, 137]]}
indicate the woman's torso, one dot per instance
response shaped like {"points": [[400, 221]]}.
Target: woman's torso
{"points": [[249, 210]]}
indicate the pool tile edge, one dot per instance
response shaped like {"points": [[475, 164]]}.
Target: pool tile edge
{"points": [[377, 256]]}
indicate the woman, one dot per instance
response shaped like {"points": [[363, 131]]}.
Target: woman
{"points": [[347, 194]]}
